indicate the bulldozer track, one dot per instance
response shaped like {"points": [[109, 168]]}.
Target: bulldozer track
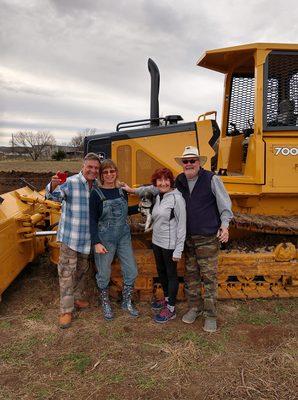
{"points": [[240, 276], [275, 224]]}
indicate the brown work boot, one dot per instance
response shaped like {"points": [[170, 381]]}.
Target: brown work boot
{"points": [[65, 320], [81, 304]]}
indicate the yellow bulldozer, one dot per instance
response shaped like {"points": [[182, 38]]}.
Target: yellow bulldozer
{"points": [[255, 152]]}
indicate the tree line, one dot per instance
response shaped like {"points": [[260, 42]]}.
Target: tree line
{"points": [[34, 144]]}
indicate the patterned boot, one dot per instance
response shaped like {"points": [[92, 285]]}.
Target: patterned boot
{"points": [[126, 301], [106, 305]]}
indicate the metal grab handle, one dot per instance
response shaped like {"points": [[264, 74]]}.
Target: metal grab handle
{"points": [[45, 233], [206, 114]]}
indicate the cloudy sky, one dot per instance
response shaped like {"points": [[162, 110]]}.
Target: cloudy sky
{"points": [[68, 65]]}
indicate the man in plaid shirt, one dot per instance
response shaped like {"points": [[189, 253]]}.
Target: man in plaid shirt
{"points": [[74, 234]]}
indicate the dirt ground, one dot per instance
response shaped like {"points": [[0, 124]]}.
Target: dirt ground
{"points": [[252, 356], [35, 173], [40, 166]]}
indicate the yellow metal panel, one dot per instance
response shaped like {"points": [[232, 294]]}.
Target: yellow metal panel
{"points": [[124, 160], [205, 133], [17, 250], [221, 59], [145, 165], [156, 147], [260, 58], [230, 158], [14, 256], [281, 165], [255, 161], [230, 153], [226, 102]]}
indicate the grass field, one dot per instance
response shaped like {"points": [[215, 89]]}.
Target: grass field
{"points": [[40, 166], [253, 356]]}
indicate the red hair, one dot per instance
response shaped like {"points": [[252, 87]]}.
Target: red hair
{"points": [[163, 173]]}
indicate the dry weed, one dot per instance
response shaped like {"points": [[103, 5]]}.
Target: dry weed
{"points": [[179, 358], [272, 376]]}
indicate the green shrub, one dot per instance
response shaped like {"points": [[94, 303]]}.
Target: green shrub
{"points": [[59, 155]]}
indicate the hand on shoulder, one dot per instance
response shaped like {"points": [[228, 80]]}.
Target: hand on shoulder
{"points": [[127, 188]]}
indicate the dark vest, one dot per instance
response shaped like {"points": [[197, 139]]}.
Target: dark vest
{"points": [[201, 208]]}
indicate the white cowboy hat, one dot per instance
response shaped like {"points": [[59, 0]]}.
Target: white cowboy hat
{"points": [[191, 152]]}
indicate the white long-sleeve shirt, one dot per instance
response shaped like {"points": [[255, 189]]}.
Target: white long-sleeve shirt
{"points": [[168, 233]]}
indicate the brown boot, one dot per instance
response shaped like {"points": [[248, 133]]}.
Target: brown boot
{"points": [[81, 304], [65, 320]]}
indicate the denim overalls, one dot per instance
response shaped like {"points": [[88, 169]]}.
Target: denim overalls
{"points": [[114, 234]]}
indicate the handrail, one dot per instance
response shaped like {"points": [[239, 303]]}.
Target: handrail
{"points": [[138, 122], [206, 114]]}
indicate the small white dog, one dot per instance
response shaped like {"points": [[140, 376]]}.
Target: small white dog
{"points": [[146, 204]]}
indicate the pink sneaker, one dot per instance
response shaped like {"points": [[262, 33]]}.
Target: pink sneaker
{"points": [[164, 316]]}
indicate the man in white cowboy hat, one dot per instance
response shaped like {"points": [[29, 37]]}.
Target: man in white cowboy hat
{"points": [[208, 208]]}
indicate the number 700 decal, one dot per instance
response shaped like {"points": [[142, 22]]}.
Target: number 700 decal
{"points": [[286, 151]]}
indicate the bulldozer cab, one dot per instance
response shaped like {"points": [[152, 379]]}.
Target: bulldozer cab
{"points": [[260, 102]]}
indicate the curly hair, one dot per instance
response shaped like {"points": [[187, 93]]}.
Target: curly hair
{"points": [[163, 173]]}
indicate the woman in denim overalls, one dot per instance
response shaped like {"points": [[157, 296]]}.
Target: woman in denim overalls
{"points": [[110, 235]]}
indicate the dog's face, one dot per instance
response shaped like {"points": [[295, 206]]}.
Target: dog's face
{"points": [[147, 201]]}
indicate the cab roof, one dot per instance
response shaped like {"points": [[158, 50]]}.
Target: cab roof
{"points": [[220, 60]]}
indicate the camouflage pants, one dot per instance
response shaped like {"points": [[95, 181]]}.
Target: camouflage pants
{"points": [[201, 257], [72, 268]]}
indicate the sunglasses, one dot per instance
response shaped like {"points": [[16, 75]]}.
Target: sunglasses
{"points": [[191, 161], [108, 171]]}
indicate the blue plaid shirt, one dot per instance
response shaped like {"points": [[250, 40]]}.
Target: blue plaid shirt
{"points": [[73, 227]]}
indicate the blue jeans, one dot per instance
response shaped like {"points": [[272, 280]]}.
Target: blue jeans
{"points": [[120, 245]]}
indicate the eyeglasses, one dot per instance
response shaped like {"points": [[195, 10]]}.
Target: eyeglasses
{"points": [[108, 171], [191, 161]]}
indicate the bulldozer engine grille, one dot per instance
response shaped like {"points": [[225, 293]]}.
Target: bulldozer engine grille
{"points": [[281, 90], [124, 163], [145, 165], [241, 103]]}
